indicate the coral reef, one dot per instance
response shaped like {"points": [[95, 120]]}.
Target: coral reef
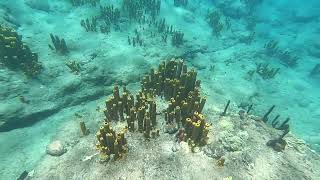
{"points": [[59, 45], [181, 88], [15, 54], [174, 83], [110, 142]]}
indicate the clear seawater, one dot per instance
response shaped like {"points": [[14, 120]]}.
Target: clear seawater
{"points": [[34, 110]]}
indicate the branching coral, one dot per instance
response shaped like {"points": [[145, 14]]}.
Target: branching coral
{"points": [[15, 54]]}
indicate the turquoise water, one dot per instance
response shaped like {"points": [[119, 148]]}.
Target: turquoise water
{"points": [[70, 54]]}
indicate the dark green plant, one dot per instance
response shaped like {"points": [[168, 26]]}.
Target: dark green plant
{"points": [[59, 45], [89, 24]]}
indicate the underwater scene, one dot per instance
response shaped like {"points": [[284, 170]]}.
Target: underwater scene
{"points": [[160, 89]]}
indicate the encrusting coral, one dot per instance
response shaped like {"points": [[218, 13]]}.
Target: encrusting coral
{"points": [[15, 54]]}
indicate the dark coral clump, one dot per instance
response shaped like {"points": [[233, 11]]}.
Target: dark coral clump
{"points": [[278, 144], [214, 21], [267, 72], [59, 45], [15, 54], [286, 58]]}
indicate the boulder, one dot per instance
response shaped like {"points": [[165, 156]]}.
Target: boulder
{"points": [[56, 148]]}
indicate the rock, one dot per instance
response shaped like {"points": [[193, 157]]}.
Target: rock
{"points": [[56, 148], [175, 147]]}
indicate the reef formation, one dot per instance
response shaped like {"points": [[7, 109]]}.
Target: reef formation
{"points": [[175, 84]]}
